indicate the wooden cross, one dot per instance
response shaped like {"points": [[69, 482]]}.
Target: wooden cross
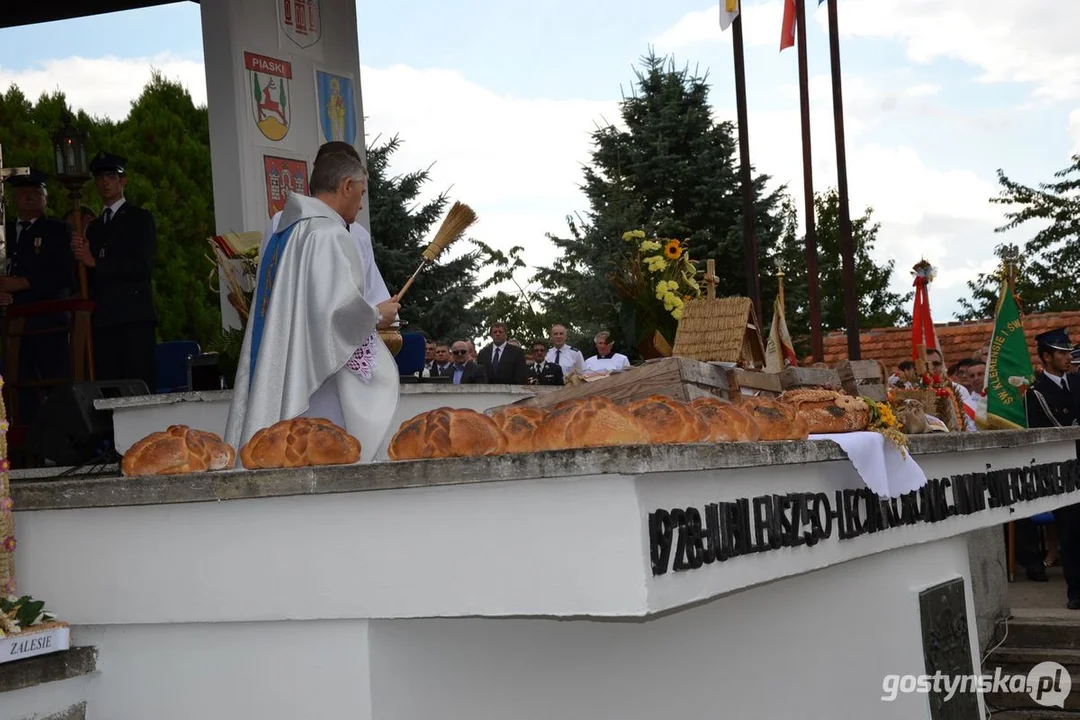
{"points": [[710, 279]]}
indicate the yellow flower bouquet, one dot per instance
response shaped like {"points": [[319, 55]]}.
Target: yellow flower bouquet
{"points": [[654, 279], [884, 421]]}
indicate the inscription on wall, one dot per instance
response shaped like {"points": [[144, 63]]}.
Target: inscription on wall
{"points": [[688, 538]]}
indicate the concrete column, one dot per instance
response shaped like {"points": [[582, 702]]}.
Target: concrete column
{"points": [[989, 581], [263, 60]]}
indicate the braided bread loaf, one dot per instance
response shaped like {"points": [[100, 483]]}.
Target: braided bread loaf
{"points": [[300, 442], [775, 420], [828, 411], [724, 421], [447, 432], [519, 425], [175, 451], [593, 421], [667, 420]]}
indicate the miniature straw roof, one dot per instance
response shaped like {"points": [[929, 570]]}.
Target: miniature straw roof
{"points": [[716, 329]]}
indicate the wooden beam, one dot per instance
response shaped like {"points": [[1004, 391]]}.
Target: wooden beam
{"points": [[15, 13]]}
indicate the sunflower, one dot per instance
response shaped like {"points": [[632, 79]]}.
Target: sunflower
{"points": [[673, 250]]}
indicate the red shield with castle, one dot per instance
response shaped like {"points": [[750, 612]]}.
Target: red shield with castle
{"points": [[301, 20]]}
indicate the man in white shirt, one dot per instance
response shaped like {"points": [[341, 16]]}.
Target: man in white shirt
{"points": [[606, 359], [375, 287], [565, 356]]}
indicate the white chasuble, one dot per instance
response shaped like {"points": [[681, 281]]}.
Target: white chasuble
{"points": [[310, 346]]}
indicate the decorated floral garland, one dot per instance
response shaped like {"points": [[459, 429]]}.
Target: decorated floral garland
{"points": [[16, 613], [7, 520]]}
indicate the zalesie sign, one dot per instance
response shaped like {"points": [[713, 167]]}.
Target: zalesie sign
{"points": [[724, 530]]}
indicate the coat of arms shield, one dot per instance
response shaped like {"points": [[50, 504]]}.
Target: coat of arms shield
{"points": [[271, 103], [337, 107], [301, 21]]}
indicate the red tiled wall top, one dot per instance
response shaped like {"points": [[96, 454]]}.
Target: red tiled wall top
{"points": [[958, 340]]}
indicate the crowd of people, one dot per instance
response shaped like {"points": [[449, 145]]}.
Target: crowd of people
{"points": [[505, 360]]}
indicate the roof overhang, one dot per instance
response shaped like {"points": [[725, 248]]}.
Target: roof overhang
{"points": [[15, 13]]}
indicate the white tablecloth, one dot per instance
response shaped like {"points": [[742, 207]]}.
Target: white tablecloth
{"points": [[879, 463]]}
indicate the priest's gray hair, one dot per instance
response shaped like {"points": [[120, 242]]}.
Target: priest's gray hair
{"points": [[333, 169]]}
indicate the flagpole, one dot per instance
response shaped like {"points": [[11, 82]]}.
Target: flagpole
{"points": [[816, 341], [750, 244], [847, 243], [780, 281]]}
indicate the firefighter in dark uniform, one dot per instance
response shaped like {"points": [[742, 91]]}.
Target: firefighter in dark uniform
{"points": [[1054, 401], [118, 252], [544, 373], [40, 267]]}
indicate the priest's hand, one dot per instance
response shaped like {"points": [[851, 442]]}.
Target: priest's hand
{"points": [[388, 310], [81, 248], [5, 299]]}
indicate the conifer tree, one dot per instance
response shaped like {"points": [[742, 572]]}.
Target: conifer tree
{"points": [[673, 172]]}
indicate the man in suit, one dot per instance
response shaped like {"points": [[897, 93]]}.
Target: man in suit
{"points": [[441, 366], [1054, 401], [40, 268], [118, 252], [464, 371], [503, 363]]}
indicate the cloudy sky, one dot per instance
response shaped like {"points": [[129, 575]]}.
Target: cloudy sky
{"points": [[502, 96]]}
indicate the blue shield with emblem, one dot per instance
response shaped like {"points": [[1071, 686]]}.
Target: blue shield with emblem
{"points": [[337, 107]]}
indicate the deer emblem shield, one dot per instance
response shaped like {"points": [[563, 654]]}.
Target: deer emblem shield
{"points": [[271, 103]]}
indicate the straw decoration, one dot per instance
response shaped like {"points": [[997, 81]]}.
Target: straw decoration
{"points": [[457, 221]]}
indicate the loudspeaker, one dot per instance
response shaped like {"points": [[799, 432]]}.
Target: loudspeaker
{"points": [[204, 372], [68, 430]]}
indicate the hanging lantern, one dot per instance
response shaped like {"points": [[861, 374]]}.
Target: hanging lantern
{"points": [[69, 149]]}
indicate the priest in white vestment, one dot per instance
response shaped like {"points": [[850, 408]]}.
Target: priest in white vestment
{"points": [[311, 347], [374, 286]]}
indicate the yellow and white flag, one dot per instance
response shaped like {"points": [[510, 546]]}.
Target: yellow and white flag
{"points": [[729, 10]]}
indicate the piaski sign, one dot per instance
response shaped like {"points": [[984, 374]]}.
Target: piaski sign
{"points": [[688, 538]]}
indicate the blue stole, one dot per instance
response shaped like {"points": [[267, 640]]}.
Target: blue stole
{"points": [[260, 300]]}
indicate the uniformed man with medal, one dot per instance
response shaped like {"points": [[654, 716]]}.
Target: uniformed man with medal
{"points": [[1053, 400], [118, 252], [40, 267]]}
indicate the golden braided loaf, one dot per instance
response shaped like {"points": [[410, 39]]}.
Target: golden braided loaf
{"points": [[593, 421], [175, 451], [300, 442], [724, 421], [775, 420], [519, 425], [447, 432], [667, 420], [828, 411]]}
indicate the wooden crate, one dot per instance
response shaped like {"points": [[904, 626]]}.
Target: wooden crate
{"points": [[752, 382], [681, 378], [863, 377]]}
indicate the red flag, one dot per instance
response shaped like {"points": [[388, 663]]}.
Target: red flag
{"points": [[787, 30], [922, 324]]}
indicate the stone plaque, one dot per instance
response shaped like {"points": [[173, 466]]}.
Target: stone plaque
{"points": [[947, 647]]}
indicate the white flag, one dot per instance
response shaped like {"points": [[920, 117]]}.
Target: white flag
{"points": [[729, 10]]}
